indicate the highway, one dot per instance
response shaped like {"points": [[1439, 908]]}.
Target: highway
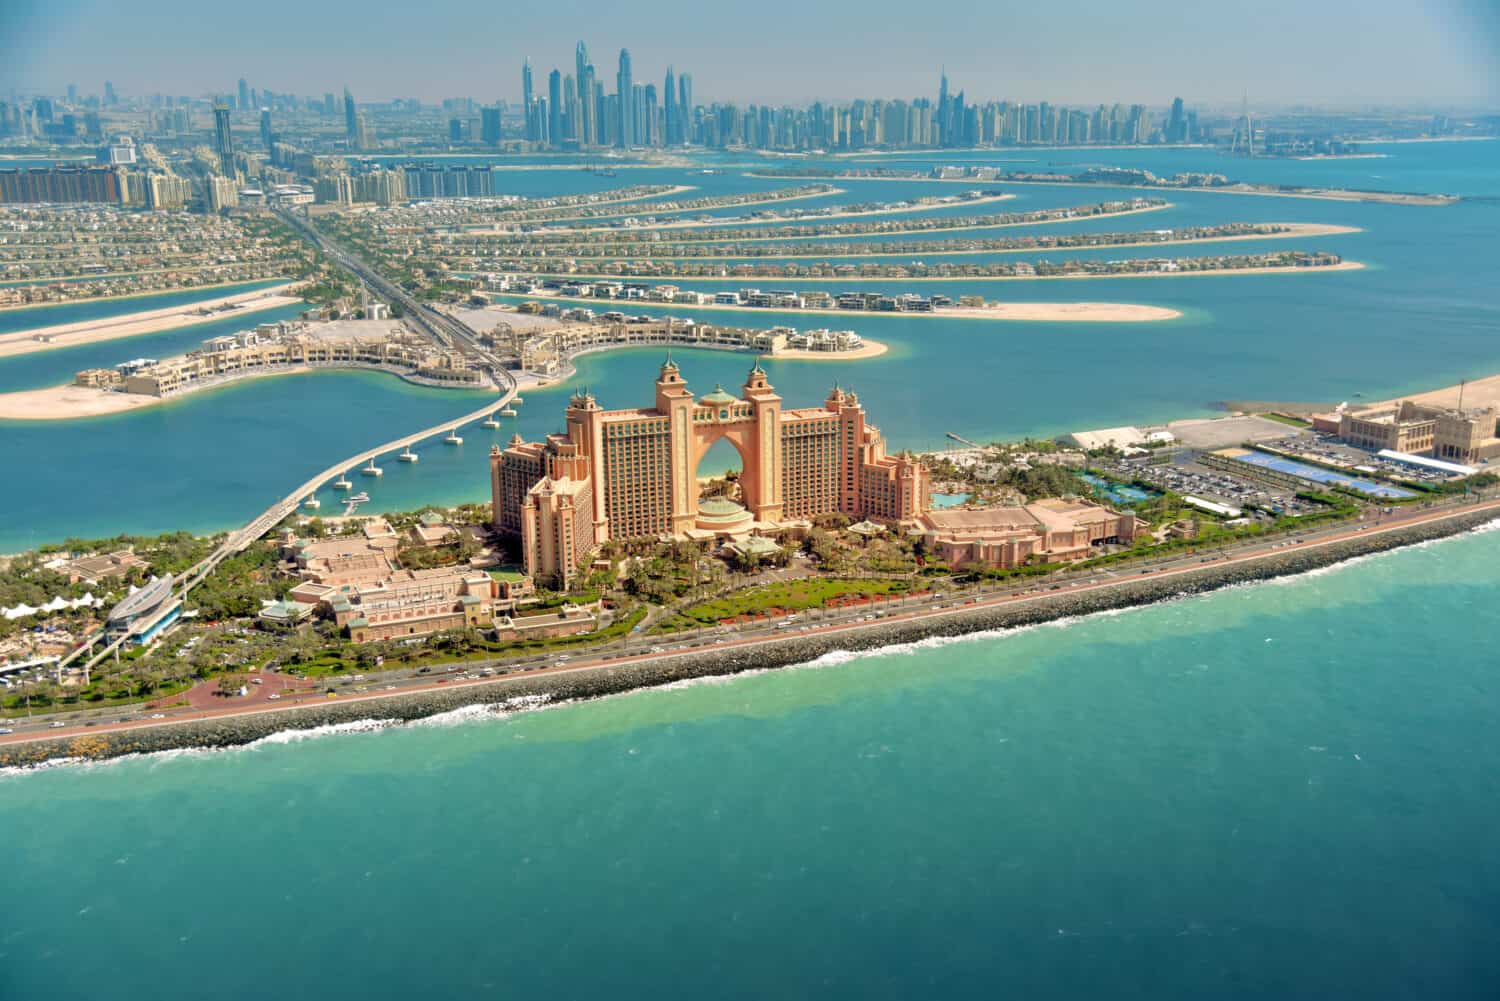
{"points": [[447, 330]]}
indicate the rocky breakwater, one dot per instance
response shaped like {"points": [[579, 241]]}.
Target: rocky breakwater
{"points": [[586, 682]]}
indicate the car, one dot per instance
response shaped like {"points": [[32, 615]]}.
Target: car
{"points": [[56, 724], [274, 695], [158, 715], [6, 729]]}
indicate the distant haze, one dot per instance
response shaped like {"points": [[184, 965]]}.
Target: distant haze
{"points": [[1069, 51]]}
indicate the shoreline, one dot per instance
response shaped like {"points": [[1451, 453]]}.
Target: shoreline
{"points": [[642, 204], [1241, 188], [811, 219], [209, 729], [908, 232], [950, 311], [1078, 312], [81, 332], [72, 402], [80, 279], [1298, 230]]}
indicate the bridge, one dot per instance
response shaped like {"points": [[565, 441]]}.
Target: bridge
{"points": [[448, 330]]}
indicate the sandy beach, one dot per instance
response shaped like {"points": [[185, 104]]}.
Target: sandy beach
{"points": [[1483, 392], [57, 403], [869, 349], [67, 335]]}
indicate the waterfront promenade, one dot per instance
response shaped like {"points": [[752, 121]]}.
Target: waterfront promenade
{"points": [[720, 650]]}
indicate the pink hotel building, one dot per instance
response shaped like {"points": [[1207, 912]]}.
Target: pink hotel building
{"points": [[621, 474]]}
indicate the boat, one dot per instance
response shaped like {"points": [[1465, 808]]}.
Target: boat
{"points": [[453, 438], [372, 470], [407, 456], [342, 483], [312, 502], [359, 498], [508, 412]]}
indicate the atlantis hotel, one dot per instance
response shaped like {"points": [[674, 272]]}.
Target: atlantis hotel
{"points": [[630, 474]]}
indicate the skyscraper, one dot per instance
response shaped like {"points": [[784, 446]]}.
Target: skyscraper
{"points": [[265, 127], [588, 97], [944, 108], [1176, 124], [580, 60], [624, 86], [110, 100], [489, 125], [685, 107], [527, 96], [669, 109], [223, 139], [244, 95], [554, 106], [351, 124]]}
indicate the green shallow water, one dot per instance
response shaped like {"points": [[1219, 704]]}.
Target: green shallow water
{"points": [[1281, 791]]}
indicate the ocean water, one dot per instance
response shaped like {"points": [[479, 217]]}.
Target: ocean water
{"points": [[1287, 790]]}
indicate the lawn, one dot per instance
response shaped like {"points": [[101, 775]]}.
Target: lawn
{"points": [[788, 596]]}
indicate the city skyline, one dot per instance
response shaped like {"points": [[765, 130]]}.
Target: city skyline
{"points": [[1335, 54]]}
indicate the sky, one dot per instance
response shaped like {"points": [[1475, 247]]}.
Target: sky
{"points": [[1067, 51]]}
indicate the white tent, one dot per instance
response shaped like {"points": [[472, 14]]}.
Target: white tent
{"points": [[20, 611]]}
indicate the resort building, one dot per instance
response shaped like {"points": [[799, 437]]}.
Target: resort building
{"points": [[1462, 436], [1047, 531], [620, 474]]}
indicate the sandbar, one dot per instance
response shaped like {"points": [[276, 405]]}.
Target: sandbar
{"points": [[67, 335]]}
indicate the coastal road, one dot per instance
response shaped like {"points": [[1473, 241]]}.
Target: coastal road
{"points": [[869, 617]]}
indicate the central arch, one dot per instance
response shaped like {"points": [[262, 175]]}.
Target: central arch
{"points": [[741, 436]]}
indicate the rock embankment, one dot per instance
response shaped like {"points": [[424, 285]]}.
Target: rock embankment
{"points": [[593, 682]]}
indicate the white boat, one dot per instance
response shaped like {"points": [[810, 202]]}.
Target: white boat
{"points": [[453, 438], [359, 498], [407, 456], [372, 470]]}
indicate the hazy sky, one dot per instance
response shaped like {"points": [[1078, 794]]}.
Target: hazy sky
{"points": [[1070, 51]]}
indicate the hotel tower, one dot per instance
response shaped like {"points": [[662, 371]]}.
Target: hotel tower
{"points": [[629, 474]]}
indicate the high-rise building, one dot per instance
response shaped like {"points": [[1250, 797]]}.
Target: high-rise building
{"points": [[267, 137], [244, 95], [351, 124], [330, 106], [489, 125], [1176, 131], [624, 87], [554, 107], [110, 99], [671, 125], [527, 98], [685, 105], [631, 474], [223, 139]]}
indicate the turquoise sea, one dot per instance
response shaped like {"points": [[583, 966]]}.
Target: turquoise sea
{"points": [[1280, 791]]}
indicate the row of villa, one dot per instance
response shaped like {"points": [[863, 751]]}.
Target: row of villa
{"points": [[288, 345]]}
